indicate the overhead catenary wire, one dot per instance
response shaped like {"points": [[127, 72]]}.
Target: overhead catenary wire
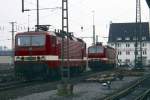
{"points": [[37, 9], [23, 26], [44, 9]]}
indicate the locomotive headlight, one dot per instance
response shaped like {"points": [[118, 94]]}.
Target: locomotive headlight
{"points": [[42, 58], [22, 58], [38, 58], [17, 58]]}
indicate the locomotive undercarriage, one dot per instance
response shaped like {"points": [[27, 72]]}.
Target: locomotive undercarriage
{"points": [[34, 70], [75, 70], [100, 66], [41, 70]]}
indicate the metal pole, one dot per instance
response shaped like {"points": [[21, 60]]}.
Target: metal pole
{"points": [[96, 38], [149, 22], [116, 50], [62, 45], [140, 37], [28, 22], [138, 34], [22, 5], [87, 61], [67, 41], [13, 52], [65, 28], [136, 52], [93, 28], [37, 15], [66, 88]]}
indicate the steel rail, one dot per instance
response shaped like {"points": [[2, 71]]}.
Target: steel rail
{"points": [[144, 95], [121, 93], [19, 84], [15, 84]]}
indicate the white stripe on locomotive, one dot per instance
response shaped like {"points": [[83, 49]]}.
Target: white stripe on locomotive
{"points": [[43, 58]]}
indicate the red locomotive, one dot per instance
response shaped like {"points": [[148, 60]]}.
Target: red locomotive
{"points": [[38, 54], [101, 57]]}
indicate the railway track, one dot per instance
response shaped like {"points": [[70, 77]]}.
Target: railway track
{"points": [[26, 88], [21, 83], [135, 91], [144, 96], [17, 84], [6, 75]]}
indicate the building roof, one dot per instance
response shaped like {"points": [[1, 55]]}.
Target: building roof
{"points": [[119, 32]]}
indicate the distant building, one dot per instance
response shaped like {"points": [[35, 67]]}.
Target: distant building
{"points": [[122, 36], [1, 48], [5, 53], [5, 57]]}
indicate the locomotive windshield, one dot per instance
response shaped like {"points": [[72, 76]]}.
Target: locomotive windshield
{"points": [[96, 49], [30, 40]]}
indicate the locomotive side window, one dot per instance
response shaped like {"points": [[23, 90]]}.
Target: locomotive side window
{"points": [[23, 41], [96, 50], [31, 40], [53, 40]]}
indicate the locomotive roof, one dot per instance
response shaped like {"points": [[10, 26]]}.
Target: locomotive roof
{"points": [[50, 33], [105, 46], [31, 32], [96, 45]]}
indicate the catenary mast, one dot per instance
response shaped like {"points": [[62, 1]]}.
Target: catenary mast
{"points": [[138, 34]]}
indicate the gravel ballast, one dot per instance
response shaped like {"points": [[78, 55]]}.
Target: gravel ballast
{"points": [[82, 91]]}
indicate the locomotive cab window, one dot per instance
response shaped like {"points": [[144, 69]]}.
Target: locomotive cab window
{"points": [[37, 40], [30, 40], [96, 50], [23, 40]]}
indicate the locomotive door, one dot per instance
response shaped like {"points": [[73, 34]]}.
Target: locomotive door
{"points": [[53, 45]]}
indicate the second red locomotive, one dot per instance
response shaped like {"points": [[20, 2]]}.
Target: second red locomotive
{"points": [[101, 57], [38, 54]]}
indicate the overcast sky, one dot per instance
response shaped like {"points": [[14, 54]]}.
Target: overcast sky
{"points": [[80, 14]]}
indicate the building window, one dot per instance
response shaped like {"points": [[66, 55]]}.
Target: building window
{"points": [[134, 38], [127, 38], [137, 44], [144, 52], [119, 52], [149, 61], [127, 60], [136, 52], [119, 60], [143, 38], [118, 45], [127, 52], [112, 44], [134, 44], [127, 45], [143, 44], [119, 38]]}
